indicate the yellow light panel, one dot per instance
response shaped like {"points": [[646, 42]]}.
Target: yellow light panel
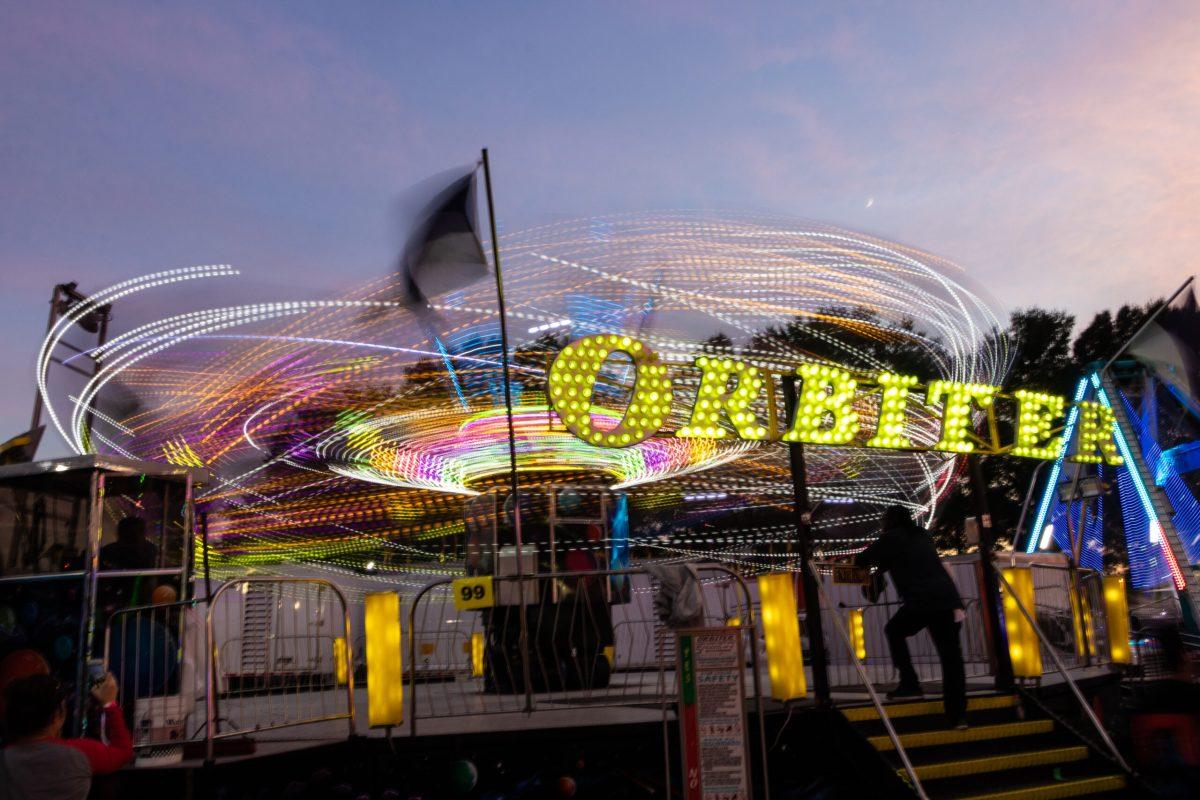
{"points": [[1085, 634], [1023, 646], [1116, 609], [858, 634], [781, 629], [341, 661], [385, 674], [477, 655]]}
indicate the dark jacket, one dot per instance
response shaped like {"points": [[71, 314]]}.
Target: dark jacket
{"points": [[909, 556]]}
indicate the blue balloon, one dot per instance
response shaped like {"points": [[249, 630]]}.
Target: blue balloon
{"points": [[143, 657], [64, 648], [29, 613]]}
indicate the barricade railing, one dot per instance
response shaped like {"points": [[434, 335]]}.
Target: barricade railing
{"points": [[1073, 618], [260, 654], [147, 649], [582, 651], [845, 598], [284, 667], [1078, 633]]}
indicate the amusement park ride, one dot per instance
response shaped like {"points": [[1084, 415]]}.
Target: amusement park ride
{"points": [[247, 468]]}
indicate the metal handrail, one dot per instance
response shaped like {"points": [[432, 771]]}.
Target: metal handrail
{"points": [[866, 681], [1062, 670]]}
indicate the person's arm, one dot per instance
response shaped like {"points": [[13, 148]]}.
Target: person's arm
{"points": [[105, 758], [872, 556]]}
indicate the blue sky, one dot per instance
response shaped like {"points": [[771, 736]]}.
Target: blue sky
{"points": [[1048, 148]]}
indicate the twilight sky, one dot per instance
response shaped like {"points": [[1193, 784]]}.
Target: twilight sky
{"points": [[1051, 149]]}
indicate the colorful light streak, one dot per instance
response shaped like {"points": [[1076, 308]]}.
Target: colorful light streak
{"points": [[341, 437]]}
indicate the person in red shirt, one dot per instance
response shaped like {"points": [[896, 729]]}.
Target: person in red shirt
{"points": [[38, 764]]}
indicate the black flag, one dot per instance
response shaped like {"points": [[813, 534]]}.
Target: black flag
{"points": [[20, 449], [1170, 344], [444, 251]]}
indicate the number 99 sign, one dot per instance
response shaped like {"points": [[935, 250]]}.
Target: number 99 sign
{"points": [[472, 593]]}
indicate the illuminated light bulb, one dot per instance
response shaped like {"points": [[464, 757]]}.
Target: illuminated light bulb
{"points": [[713, 401], [650, 401], [892, 408], [956, 411], [1036, 413], [1097, 439], [825, 392]]}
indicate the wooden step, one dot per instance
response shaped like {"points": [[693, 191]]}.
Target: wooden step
{"points": [[1008, 761], [927, 707], [1082, 787], [979, 733]]}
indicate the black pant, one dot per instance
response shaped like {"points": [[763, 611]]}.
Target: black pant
{"points": [[911, 620]]}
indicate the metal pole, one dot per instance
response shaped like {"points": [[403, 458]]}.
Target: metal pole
{"points": [[88, 603], [89, 418], [204, 555], [1025, 510], [812, 596], [37, 395], [991, 585], [512, 440]]}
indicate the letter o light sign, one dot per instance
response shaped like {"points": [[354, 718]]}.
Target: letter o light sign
{"points": [[572, 384]]}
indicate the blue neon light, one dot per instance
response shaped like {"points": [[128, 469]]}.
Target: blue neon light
{"points": [[450, 369], [1034, 534], [1131, 468]]}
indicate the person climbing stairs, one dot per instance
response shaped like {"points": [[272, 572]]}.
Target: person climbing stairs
{"points": [[1001, 755]]}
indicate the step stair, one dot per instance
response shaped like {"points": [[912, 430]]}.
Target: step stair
{"points": [[1000, 756]]}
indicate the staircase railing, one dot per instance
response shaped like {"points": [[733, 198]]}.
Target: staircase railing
{"points": [[1048, 647], [914, 781]]}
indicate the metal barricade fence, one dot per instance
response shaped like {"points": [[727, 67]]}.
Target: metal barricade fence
{"points": [[579, 652], [160, 678], [1074, 621], [877, 661], [287, 662], [260, 654]]}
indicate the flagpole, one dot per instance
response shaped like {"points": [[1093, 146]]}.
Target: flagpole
{"points": [[512, 437]]}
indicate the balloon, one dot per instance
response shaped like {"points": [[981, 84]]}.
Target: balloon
{"points": [[64, 648], [21, 664], [568, 503], [566, 786], [142, 655], [463, 776], [164, 593], [29, 613]]}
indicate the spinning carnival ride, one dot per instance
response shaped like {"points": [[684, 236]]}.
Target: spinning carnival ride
{"points": [[351, 434]]}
